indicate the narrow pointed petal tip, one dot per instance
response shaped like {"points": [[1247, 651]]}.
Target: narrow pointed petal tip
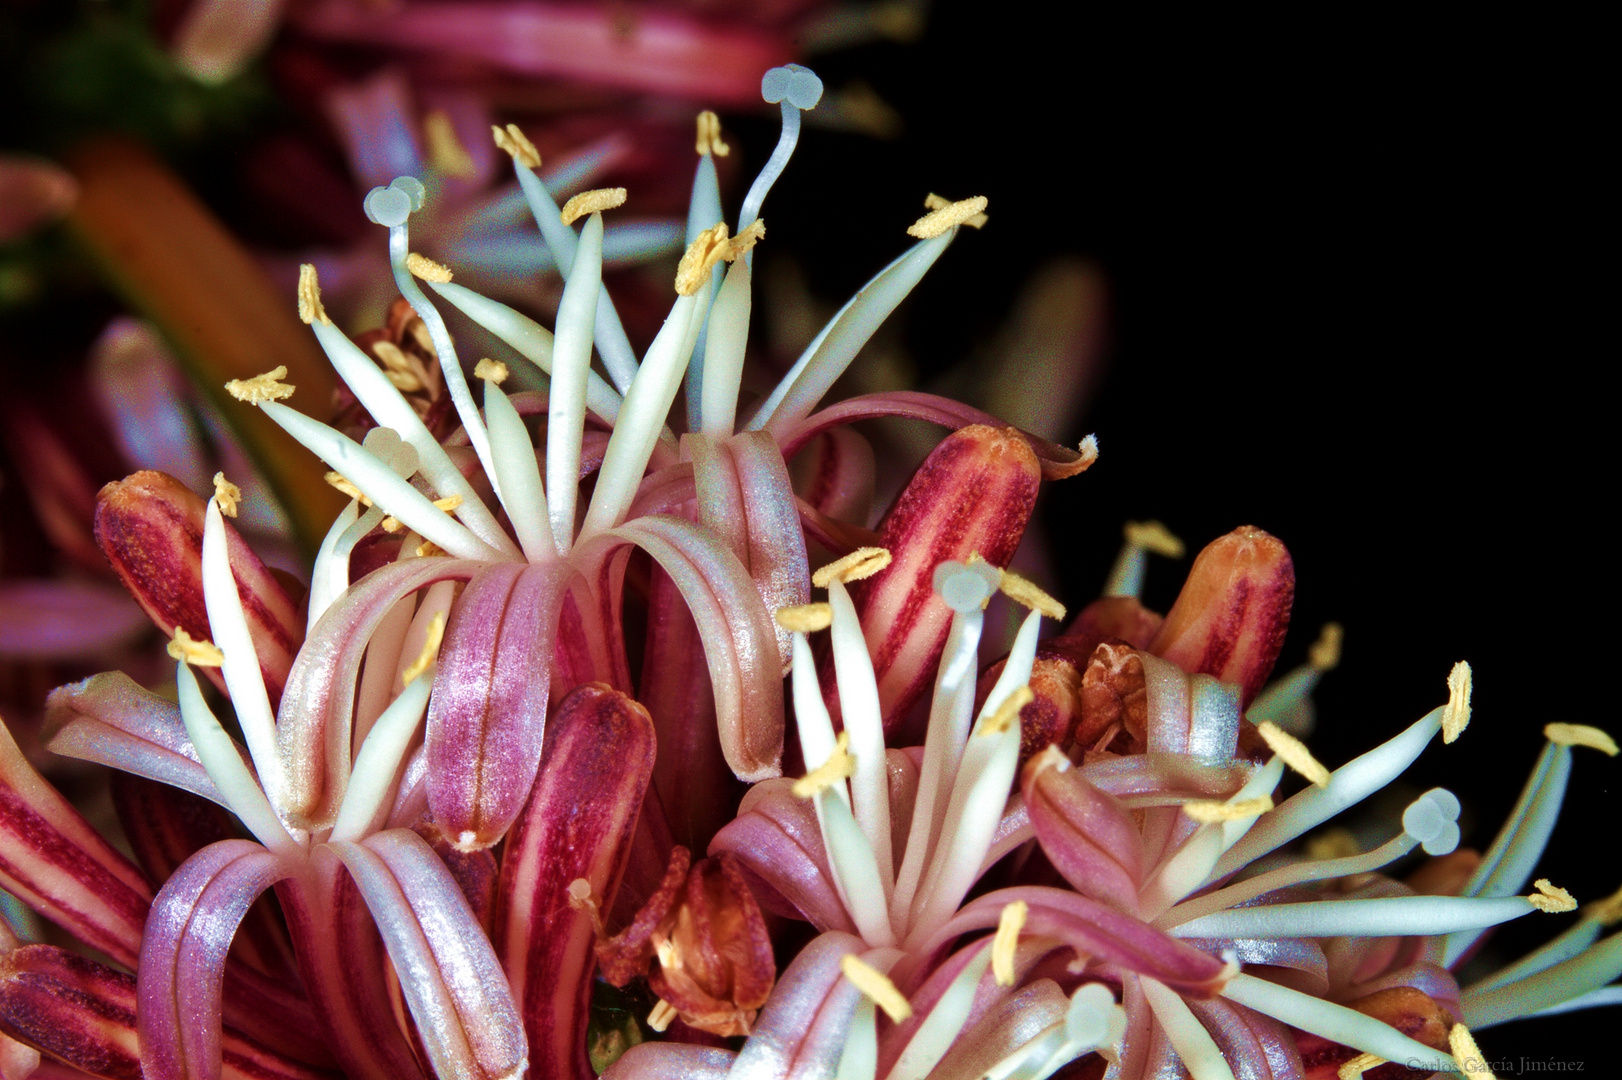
{"points": [[150, 527], [1230, 619], [972, 496]]}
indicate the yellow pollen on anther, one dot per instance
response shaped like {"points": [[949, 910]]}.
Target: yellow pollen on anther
{"points": [[1457, 715], [391, 524], [1003, 945], [430, 649], [1294, 752], [1325, 652], [1001, 720], [1581, 735], [266, 387], [1468, 1054], [226, 495], [491, 371], [876, 985], [933, 201], [840, 765], [345, 485], [661, 1016], [592, 202], [947, 216], [1155, 537], [1211, 811], [427, 269], [406, 373], [1551, 898], [709, 135], [701, 254], [196, 653], [427, 548], [861, 563], [745, 241], [1606, 912], [1088, 449], [445, 151], [1357, 1066], [1023, 591], [309, 296], [514, 142], [805, 618]]}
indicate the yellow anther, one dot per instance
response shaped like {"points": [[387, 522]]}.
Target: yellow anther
{"points": [[1325, 652], [1023, 591], [933, 201], [1457, 716], [1088, 449], [1001, 720], [430, 649], [226, 495], [309, 296], [445, 151], [1551, 898], [1294, 752], [448, 503], [746, 240], [859, 564], [391, 524], [701, 254], [266, 387], [709, 135], [1581, 735], [1007, 940], [1155, 537], [1212, 811], [491, 371], [1357, 1066], [514, 142], [1336, 843], [405, 372], [1606, 912], [1468, 1054], [196, 653], [427, 269], [877, 986], [343, 484], [805, 618], [661, 1016], [592, 202], [839, 766], [427, 548], [949, 215]]}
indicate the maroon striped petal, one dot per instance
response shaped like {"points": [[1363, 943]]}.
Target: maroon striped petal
{"points": [[1229, 621], [803, 1027], [671, 1061], [1088, 836], [487, 717], [578, 824], [150, 527], [113, 720], [314, 731], [972, 495], [53, 861], [739, 642], [448, 972]]}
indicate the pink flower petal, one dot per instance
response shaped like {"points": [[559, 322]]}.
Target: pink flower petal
{"points": [[112, 720]]}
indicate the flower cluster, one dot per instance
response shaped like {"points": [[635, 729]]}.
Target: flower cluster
{"points": [[542, 650]]}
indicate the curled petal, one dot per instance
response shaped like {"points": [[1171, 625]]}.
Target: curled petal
{"points": [[834, 473], [448, 972], [488, 713], [802, 1028], [112, 720], [1190, 714], [1229, 621], [775, 837], [53, 861], [1141, 780], [150, 527], [577, 825], [972, 495], [1088, 836], [1255, 1046]]}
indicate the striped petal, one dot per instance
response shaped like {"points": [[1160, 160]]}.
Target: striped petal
{"points": [[112, 720]]}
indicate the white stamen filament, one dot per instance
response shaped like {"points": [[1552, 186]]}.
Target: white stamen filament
{"points": [[1336, 1023], [1142, 539], [1567, 945], [1348, 785], [856, 873], [1395, 916], [817, 739], [531, 340], [1200, 1054], [330, 575], [436, 601], [859, 705], [727, 335], [229, 626], [223, 762], [860, 1058], [522, 493], [1181, 874], [378, 675], [1262, 782], [382, 485], [934, 1036], [703, 211], [571, 362], [619, 359], [380, 757], [647, 403], [1568, 979]]}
